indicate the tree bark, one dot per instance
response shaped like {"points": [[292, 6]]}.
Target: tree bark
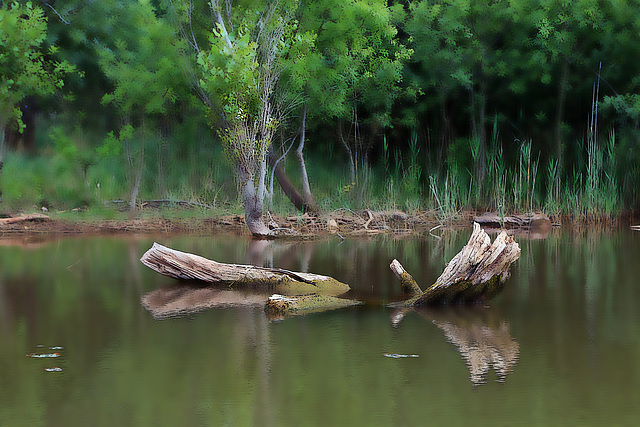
{"points": [[476, 273], [253, 210], [253, 199]]}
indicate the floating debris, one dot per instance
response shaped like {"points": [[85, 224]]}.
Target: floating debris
{"points": [[39, 356], [399, 356], [54, 369], [56, 348]]}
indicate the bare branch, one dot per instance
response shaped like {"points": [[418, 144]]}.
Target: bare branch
{"points": [[59, 16]]}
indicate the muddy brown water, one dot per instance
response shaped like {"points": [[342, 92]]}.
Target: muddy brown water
{"points": [[89, 336]]}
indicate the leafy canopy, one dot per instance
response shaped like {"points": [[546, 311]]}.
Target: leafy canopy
{"points": [[26, 68]]}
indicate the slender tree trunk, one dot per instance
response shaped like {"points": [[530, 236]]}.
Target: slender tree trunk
{"points": [[138, 179], [310, 204], [2, 134], [482, 149], [445, 130], [352, 164], [285, 183], [562, 93], [2, 128], [478, 108], [136, 185]]}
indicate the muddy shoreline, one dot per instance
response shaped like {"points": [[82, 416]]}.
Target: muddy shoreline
{"points": [[342, 222]]}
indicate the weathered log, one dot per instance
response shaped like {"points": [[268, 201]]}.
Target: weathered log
{"points": [[280, 306], [536, 221], [185, 266], [24, 218], [476, 273]]}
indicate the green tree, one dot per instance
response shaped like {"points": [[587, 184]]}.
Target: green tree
{"points": [[140, 61], [564, 35], [353, 75], [461, 48], [236, 77], [27, 66]]}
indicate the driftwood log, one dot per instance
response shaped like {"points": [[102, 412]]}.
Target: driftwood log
{"points": [[535, 221], [186, 266], [23, 218], [476, 273]]}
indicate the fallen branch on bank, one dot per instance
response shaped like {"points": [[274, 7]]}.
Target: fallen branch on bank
{"points": [[186, 266], [476, 273], [536, 221], [24, 218]]}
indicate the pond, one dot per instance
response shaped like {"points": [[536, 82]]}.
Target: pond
{"points": [[89, 336]]}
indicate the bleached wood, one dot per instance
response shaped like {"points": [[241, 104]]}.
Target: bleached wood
{"points": [[477, 272], [186, 266]]}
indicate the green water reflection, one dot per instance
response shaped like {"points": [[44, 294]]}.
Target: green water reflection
{"points": [[560, 346]]}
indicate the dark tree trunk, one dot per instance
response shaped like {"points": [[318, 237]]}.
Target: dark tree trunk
{"points": [[285, 183], [562, 94]]}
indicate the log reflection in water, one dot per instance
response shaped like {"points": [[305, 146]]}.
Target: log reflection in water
{"points": [[481, 335], [184, 300]]}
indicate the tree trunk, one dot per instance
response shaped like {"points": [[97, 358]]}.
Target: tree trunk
{"points": [[185, 266], [285, 183], [562, 92], [352, 162], [310, 204], [2, 135], [476, 273], [138, 179], [253, 204]]}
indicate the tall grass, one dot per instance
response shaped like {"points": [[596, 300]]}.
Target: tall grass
{"points": [[68, 174], [65, 176]]}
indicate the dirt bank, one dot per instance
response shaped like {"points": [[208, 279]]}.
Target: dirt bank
{"points": [[341, 222]]}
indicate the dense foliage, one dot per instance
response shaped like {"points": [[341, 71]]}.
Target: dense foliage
{"points": [[513, 105]]}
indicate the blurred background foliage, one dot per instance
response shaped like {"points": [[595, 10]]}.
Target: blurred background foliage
{"points": [[427, 105]]}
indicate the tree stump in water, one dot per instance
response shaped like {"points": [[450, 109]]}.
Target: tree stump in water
{"points": [[476, 273]]}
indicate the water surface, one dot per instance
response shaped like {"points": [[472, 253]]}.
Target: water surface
{"points": [[560, 345]]}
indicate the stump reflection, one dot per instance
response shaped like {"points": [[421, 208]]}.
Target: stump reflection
{"points": [[480, 334]]}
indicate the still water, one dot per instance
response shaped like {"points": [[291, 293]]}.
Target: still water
{"points": [[125, 346]]}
